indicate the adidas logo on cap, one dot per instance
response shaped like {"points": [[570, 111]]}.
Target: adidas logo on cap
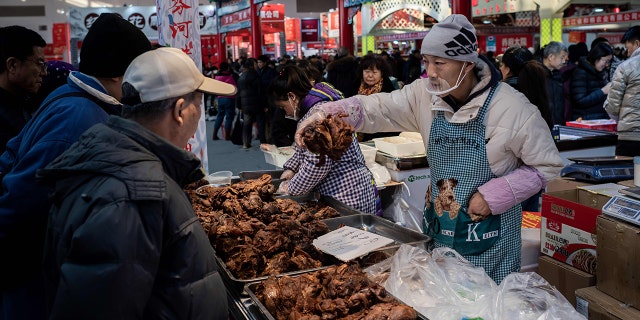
{"points": [[462, 44]]}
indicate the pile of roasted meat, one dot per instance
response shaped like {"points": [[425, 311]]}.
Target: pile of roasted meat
{"points": [[256, 235], [338, 292], [330, 137]]}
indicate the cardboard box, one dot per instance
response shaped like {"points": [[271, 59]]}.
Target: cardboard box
{"points": [[568, 229], [565, 278], [598, 124], [561, 184], [597, 305], [597, 195], [619, 259]]}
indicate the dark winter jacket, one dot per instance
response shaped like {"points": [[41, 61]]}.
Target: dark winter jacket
{"points": [[341, 73], [556, 96], [14, 114], [249, 96], [24, 203], [123, 241], [587, 97]]}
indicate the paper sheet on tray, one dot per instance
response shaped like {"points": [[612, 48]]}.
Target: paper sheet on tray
{"points": [[348, 243]]}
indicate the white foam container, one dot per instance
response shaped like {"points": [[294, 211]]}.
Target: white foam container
{"points": [[401, 147], [279, 156]]}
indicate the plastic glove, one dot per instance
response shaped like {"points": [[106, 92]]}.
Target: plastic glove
{"points": [[283, 188], [287, 174], [317, 115]]}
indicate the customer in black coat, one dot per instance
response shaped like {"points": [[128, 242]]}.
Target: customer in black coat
{"points": [[250, 101], [589, 87], [341, 73], [123, 241]]}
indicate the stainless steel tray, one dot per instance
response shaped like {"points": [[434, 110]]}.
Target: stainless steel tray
{"points": [[383, 227], [367, 222], [263, 313]]}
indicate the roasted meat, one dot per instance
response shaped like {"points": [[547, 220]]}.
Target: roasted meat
{"points": [[330, 137], [308, 296]]}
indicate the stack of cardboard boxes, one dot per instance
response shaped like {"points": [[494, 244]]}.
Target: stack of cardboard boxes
{"points": [[573, 233]]}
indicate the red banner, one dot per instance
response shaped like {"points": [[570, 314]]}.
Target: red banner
{"points": [[504, 41], [309, 30], [236, 17], [292, 29], [575, 37], [600, 19], [613, 38], [60, 33], [334, 24], [272, 18]]}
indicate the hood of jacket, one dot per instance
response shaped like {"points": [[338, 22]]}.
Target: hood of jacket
{"points": [[321, 92], [129, 152]]}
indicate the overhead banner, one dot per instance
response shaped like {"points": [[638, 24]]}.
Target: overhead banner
{"points": [[143, 17], [334, 24], [272, 18], [309, 30], [292, 29], [230, 6], [235, 21], [601, 18], [178, 26], [491, 7]]}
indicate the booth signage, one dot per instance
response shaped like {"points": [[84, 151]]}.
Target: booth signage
{"points": [[309, 30], [292, 29], [402, 36], [491, 7], [144, 17], [334, 24], [272, 18], [602, 18], [230, 6]]}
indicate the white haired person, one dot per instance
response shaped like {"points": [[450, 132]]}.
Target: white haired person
{"points": [[123, 241], [485, 156]]}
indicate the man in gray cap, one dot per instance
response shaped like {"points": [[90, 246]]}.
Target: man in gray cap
{"points": [[89, 97], [123, 241], [488, 146]]}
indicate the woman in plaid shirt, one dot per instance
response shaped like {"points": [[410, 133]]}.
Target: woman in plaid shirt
{"points": [[347, 180]]}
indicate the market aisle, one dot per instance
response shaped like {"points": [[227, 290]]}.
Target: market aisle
{"points": [[224, 155]]}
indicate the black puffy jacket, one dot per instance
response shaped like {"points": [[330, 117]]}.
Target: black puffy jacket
{"points": [[249, 97], [587, 98], [123, 241], [556, 96]]}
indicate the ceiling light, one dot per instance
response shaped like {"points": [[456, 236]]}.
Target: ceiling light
{"points": [[598, 10], [486, 21]]}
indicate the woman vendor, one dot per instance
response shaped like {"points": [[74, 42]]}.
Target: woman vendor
{"points": [[485, 155], [348, 179]]}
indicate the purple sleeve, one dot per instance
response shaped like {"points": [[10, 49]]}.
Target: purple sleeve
{"points": [[505, 192]]}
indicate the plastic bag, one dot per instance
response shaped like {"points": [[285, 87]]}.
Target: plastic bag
{"points": [[527, 296], [440, 285], [380, 173], [401, 212]]}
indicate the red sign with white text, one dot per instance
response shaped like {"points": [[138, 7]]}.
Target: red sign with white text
{"points": [[233, 18], [600, 19], [309, 30], [292, 29]]}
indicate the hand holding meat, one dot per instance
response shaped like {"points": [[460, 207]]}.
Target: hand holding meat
{"points": [[330, 136]]}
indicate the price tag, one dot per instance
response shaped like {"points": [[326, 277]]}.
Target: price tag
{"points": [[348, 243]]}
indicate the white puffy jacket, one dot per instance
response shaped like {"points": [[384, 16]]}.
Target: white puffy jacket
{"points": [[516, 133], [623, 101]]}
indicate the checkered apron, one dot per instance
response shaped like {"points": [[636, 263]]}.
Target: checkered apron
{"points": [[458, 156]]}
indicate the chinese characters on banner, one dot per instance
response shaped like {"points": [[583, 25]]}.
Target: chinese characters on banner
{"points": [[179, 27], [600, 19], [499, 43]]}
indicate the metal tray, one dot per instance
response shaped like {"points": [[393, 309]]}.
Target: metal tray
{"points": [[383, 227], [367, 222], [263, 312], [401, 163]]}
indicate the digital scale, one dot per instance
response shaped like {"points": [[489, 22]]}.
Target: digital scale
{"points": [[600, 169], [625, 208]]}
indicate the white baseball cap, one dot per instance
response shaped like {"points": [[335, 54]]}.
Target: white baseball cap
{"points": [[166, 73]]}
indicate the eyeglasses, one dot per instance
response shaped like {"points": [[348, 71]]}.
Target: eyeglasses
{"points": [[40, 63]]}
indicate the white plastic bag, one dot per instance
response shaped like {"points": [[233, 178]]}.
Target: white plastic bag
{"points": [[401, 212], [441, 285], [527, 296]]}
